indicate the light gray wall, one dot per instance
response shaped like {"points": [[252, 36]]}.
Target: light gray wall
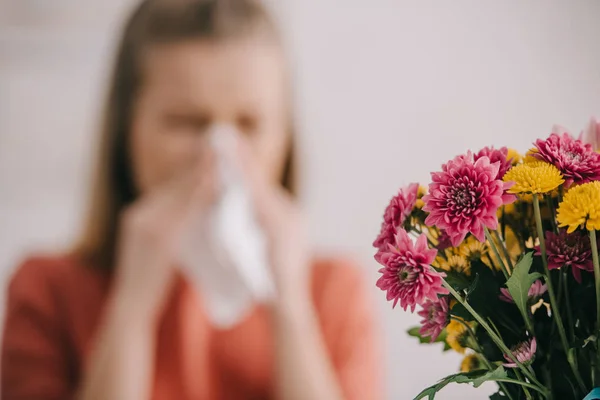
{"points": [[387, 90]]}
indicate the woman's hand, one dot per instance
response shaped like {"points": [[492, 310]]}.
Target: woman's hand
{"points": [[149, 237], [304, 369], [122, 360], [282, 222]]}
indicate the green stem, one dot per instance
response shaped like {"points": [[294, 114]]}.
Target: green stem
{"points": [[480, 351], [550, 205], [543, 391], [548, 379], [594, 244], [520, 378], [565, 282], [560, 288], [553, 302], [560, 194], [496, 252], [509, 324], [503, 222], [504, 251], [492, 335]]}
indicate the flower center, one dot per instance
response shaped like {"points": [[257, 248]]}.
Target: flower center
{"points": [[405, 275], [463, 198], [573, 155]]}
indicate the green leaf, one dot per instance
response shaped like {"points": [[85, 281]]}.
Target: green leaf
{"points": [[520, 281], [498, 396], [477, 378]]}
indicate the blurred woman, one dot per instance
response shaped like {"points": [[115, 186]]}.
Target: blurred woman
{"points": [[116, 318]]}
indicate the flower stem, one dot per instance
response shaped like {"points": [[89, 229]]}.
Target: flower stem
{"points": [[483, 358], [504, 250], [496, 252], [565, 283], [520, 377], [550, 204], [494, 336], [561, 287], [544, 392], [553, 302], [594, 244]]}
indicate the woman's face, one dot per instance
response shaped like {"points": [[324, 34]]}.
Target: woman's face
{"points": [[188, 87]]}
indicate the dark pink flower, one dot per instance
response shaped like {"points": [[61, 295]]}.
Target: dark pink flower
{"points": [[536, 291], [577, 161], [444, 241], [465, 196], [436, 315], [569, 250], [407, 275], [395, 214], [524, 352], [496, 155]]}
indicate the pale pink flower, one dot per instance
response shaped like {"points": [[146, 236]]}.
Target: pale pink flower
{"points": [[395, 214], [407, 275], [465, 196], [569, 250], [591, 134], [536, 291], [436, 315], [496, 155], [524, 352], [576, 160]]}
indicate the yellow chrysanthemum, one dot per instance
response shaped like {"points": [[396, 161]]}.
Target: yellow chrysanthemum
{"points": [[456, 263], [529, 156], [472, 362], [457, 336], [472, 249], [513, 156], [581, 206], [534, 177], [437, 262], [420, 193]]}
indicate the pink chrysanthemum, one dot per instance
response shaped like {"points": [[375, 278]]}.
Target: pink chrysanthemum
{"points": [[436, 315], [569, 250], [536, 291], [577, 161], [524, 352], [496, 155], [465, 196], [395, 214], [407, 275]]}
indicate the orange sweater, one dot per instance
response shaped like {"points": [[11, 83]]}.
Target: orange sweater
{"points": [[55, 305]]}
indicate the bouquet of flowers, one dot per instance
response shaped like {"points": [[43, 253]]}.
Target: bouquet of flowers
{"points": [[500, 253]]}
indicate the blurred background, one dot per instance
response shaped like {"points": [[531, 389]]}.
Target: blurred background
{"points": [[386, 91]]}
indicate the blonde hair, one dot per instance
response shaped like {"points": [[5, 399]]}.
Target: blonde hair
{"points": [[153, 22]]}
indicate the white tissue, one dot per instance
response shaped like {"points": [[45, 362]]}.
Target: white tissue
{"points": [[224, 253]]}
